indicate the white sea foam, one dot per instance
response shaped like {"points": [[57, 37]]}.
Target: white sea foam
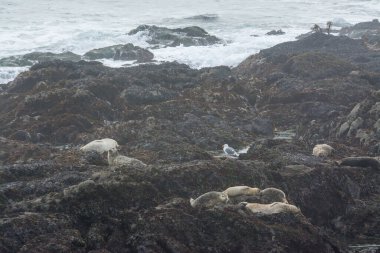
{"points": [[79, 26], [7, 74]]}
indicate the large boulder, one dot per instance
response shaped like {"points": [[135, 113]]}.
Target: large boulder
{"points": [[188, 36], [127, 52]]}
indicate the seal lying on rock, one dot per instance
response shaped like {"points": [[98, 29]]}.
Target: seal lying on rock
{"points": [[100, 146], [235, 191], [322, 150], [270, 195], [115, 159], [273, 208], [209, 199], [237, 194], [361, 162]]}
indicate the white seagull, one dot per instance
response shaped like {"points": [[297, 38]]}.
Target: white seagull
{"points": [[229, 151]]}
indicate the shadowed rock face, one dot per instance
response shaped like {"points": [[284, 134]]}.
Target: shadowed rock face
{"points": [[54, 198], [188, 36]]}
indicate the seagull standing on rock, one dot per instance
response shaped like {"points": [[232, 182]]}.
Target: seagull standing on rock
{"points": [[230, 151]]}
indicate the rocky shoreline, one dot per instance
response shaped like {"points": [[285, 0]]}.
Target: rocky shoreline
{"points": [[157, 37], [280, 102]]}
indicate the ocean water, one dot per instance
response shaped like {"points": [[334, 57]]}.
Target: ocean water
{"points": [[81, 25]]}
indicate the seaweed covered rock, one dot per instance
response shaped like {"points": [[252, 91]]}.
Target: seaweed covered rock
{"points": [[112, 205], [174, 119], [162, 111]]}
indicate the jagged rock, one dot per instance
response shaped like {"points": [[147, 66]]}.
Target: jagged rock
{"points": [[368, 31], [127, 52], [95, 158], [343, 129], [68, 240], [188, 36], [355, 126], [21, 135], [361, 123], [359, 30], [275, 32]]}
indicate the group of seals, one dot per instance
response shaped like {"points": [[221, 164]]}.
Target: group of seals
{"points": [[268, 201]]}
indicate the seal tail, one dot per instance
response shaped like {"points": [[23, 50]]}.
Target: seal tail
{"points": [[192, 202]]}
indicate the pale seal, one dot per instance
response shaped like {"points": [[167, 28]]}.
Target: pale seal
{"points": [[209, 199], [235, 191], [273, 208], [322, 150], [100, 146]]}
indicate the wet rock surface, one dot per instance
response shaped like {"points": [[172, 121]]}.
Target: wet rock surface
{"points": [[36, 57], [280, 103], [127, 52], [275, 32], [188, 36]]}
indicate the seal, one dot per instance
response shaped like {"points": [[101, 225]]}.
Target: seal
{"points": [[273, 208], [237, 194], [114, 159], [100, 146], [270, 195], [235, 191], [322, 150], [209, 199]]}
